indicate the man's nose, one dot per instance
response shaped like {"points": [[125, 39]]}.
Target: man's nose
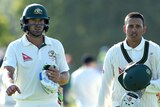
{"points": [[134, 29]]}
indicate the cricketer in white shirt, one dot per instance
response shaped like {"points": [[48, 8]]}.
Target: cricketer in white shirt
{"points": [[28, 62], [114, 64]]}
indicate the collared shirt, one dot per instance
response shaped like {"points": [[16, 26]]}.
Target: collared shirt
{"points": [[114, 63], [137, 52], [28, 61]]}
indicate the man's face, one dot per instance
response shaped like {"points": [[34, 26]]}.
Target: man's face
{"points": [[134, 29], [36, 26]]}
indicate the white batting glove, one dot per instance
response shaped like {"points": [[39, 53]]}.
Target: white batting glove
{"points": [[48, 85]]}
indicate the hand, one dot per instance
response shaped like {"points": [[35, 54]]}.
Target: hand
{"points": [[12, 89], [158, 95], [53, 74]]}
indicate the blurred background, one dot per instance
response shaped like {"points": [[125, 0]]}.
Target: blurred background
{"points": [[83, 26]]}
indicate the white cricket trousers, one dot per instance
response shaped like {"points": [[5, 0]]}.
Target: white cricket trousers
{"points": [[37, 104]]}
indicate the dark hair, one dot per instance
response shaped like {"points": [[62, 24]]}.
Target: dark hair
{"points": [[134, 15], [86, 59]]}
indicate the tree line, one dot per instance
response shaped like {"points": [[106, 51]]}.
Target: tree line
{"points": [[84, 26]]}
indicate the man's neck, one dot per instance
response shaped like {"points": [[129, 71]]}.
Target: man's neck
{"points": [[37, 41], [133, 44]]}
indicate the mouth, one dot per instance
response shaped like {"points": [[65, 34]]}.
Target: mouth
{"points": [[134, 35], [38, 30]]}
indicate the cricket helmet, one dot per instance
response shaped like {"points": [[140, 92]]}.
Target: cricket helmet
{"points": [[34, 11], [135, 77]]}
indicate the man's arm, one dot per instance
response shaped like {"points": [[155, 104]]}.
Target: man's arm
{"points": [[8, 80], [104, 99], [154, 86], [8, 73]]}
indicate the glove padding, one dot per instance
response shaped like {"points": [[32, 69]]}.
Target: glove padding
{"points": [[48, 85], [130, 99]]}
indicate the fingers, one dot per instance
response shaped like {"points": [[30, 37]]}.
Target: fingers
{"points": [[53, 75], [54, 78], [18, 90], [53, 72], [12, 89]]}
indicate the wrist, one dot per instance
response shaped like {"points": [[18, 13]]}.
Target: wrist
{"points": [[9, 84], [7, 81], [63, 78]]}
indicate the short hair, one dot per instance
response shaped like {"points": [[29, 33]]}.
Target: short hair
{"points": [[134, 15], [86, 59]]}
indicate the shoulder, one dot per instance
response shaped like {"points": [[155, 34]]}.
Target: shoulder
{"points": [[15, 43], [154, 48], [76, 73], [115, 48], [153, 44], [53, 40], [55, 43]]}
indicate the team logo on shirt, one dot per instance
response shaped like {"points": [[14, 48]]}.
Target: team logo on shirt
{"points": [[52, 55], [26, 57]]}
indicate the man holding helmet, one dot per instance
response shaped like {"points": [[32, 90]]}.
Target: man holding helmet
{"points": [[35, 65], [134, 79], [134, 49]]}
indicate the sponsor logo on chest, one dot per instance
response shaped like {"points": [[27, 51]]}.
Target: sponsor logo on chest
{"points": [[26, 57]]}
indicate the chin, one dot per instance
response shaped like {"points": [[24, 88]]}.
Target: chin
{"points": [[37, 35]]}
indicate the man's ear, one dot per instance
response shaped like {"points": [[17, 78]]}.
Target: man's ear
{"points": [[124, 28], [145, 29]]}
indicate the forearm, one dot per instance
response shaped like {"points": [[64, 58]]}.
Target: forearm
{"points": [[64, 78], [104, 98], [7, 77], [8, 80]]}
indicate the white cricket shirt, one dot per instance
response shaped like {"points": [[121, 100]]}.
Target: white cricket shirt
{"points": [[28, 62], [115, 62]]}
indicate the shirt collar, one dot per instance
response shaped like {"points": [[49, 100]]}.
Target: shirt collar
{"points": [[47, 40], [27, 43], [25, 40], [139, 47]]}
